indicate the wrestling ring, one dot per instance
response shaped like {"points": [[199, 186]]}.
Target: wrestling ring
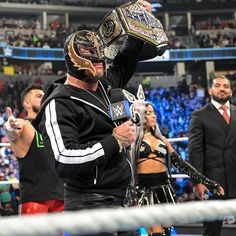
{"points": [[119, 219]]}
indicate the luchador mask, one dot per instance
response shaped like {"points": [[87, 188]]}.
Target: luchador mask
{"points": [[82, 49]]}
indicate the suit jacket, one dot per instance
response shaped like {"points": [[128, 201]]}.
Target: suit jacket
{"points": [[212, 146]]}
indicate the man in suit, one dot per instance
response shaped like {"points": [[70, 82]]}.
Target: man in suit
{"points": [[212, 145]]}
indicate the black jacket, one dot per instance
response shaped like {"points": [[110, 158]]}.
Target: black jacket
{"points": [[78, 128]]}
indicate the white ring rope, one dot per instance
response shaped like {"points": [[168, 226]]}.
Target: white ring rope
{"points": [[175, 176], [4, 144], [9, 182], [121, 219], [170, 139], [181, 139]]}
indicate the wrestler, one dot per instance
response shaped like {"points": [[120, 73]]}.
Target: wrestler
{"points": [[155, 157], [41, 189]]}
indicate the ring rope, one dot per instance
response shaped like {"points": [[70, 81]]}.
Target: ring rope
{"points": [[112, 220]]}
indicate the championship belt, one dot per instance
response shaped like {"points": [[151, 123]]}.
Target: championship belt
{"points": [[132, 19]]}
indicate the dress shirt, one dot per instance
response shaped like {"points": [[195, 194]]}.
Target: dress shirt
{"points": [[217, 105]]}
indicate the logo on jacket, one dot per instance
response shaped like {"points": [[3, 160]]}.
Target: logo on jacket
{"points": [[39, 140]]}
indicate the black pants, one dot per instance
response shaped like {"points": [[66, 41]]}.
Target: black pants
{"points": [[213, 228], [79, 201]]}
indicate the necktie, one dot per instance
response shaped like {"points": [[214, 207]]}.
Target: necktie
{"points": [[225, 114]]}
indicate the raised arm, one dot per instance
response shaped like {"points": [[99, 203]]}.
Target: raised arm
{"points": [[20, 133], [13, 126]]}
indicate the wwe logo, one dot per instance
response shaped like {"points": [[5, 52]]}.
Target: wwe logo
{"points": [[7, 51], [118, 110]]}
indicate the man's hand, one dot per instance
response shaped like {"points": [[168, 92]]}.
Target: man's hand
{"points": [[201, 191], [145, 4], [13, 126], [13, 123], [219, 190], [125, 133]]}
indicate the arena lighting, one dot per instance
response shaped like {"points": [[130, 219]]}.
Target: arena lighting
{"points": [[155, 6]]}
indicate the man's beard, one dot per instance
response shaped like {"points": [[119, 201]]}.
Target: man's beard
{"points": [[221, 100], [90, 79], [35, 109]]}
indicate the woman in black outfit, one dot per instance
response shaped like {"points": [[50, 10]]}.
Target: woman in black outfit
{"points": [[154, 186]]}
